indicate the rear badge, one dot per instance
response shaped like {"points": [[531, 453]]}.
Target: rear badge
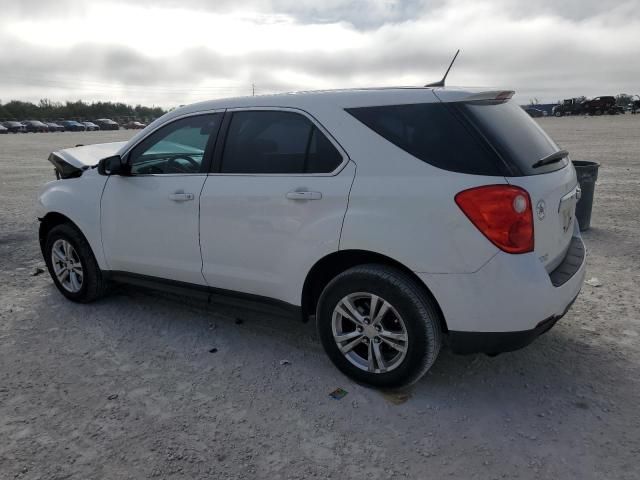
{"points": [[540, 209]]}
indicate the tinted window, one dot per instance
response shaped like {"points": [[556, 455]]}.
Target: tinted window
{"points": [[176, 148], [322, 156], [432, 133], [518, 139], [276, 142]]}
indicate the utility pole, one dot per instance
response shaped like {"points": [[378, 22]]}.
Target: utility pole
{"points": [[253, 89]]}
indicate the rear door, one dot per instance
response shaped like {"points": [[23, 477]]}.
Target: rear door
{"points": [[274, 204], [150, 219]]}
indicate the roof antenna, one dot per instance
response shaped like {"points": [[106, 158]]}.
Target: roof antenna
{"points": [[441, 82]]}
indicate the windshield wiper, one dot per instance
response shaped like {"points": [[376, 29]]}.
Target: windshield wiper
{"points": [[552, 158]]}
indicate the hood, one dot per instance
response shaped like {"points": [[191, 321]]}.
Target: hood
{"points": [[71, 162]]}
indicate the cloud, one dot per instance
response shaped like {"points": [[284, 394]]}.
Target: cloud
{"points": [[180, 54]]}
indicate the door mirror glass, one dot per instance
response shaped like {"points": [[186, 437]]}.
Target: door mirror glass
{"points": [[112, 166]]}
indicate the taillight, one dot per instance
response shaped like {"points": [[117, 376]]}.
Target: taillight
{"points": [[502, 213]]}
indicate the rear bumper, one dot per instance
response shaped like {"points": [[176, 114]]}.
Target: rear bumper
{"points": [[493, 343], [508, 302]]}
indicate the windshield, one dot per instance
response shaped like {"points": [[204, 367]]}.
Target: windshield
{"points": [[517, 138]]}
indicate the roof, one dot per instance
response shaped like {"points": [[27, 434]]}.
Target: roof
{"points": [[342, 98], [326, 100]]}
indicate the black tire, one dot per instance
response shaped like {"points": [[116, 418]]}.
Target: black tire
{"points": [[94, 285], [418, 311]]}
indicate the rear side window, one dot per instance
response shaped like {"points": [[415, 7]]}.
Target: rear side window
{"points": [[272, 142], [432, 133], [322, 156]]}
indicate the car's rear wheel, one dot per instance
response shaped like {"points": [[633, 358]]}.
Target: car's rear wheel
{"points": [[72, 266], [379, 326]]}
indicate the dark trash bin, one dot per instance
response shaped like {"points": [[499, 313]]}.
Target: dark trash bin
{"points": [[587, 175]]}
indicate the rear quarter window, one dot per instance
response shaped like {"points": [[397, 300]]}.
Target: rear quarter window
{"points": [[479, 138], [432, 133]]}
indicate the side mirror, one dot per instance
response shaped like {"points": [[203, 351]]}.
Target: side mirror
{"points": [[113, 166]]}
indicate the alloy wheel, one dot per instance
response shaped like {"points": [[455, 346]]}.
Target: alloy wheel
{"points": [[67, 266], [370, 332]]}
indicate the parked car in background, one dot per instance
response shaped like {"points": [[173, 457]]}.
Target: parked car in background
{"points": [[534, 112], [73, 126], [3, 129], [91, 127], [134, 126], [457, 226], [106, 124], [14, 127], [54, 127], [35, 126]]}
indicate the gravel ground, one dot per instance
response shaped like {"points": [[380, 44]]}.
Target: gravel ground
{"points": [[128, 387]]}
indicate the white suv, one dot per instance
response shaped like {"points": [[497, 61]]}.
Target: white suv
{"points": [[399, 218]]}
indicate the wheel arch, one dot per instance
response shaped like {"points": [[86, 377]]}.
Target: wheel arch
{"points": [[50, 220], [325, 269]]}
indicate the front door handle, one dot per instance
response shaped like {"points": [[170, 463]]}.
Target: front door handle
{"points": [[304, 195], [181, 197]]}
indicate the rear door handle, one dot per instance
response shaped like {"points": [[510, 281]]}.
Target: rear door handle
{"points": [[181, 197], [304, 195]]}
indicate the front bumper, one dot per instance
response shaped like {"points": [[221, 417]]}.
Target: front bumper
{"points": [[508, 302]]}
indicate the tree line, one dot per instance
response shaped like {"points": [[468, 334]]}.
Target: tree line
{"points": [[78, 110]]}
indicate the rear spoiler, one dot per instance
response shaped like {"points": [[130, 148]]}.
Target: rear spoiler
{"points": [[495, 96], [478, 97]]}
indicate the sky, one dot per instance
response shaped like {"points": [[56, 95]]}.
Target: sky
{"points": [[173, 52]]}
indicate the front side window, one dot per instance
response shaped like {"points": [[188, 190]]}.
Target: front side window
{"points": [[276, 142], [177, 148]]}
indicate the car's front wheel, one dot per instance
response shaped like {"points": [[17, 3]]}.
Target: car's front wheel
{"points": [[72, 266], [379, 326]]}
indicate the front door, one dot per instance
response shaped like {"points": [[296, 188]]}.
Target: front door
{"points": [[150, 218]]}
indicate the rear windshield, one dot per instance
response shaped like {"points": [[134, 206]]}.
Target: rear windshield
{"points": [[479, 139], [518, 138]]}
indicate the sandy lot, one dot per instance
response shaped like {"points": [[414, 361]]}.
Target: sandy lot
{"points": [[127, 388]]}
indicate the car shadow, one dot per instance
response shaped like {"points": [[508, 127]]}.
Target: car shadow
{"points": [[557, 367]]}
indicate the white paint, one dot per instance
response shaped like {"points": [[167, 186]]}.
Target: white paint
{"points": [[254, 239]]}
